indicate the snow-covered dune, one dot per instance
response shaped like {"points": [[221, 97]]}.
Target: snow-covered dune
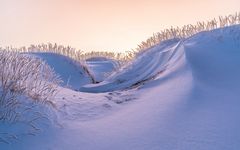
{"points": [[214, 57], [71, 72], [187, 97]]}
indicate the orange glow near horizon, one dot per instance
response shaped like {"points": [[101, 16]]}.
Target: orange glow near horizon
{"points": [[100, 24]]}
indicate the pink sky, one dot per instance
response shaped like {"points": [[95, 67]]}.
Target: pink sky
{"points": [[100, 24]]}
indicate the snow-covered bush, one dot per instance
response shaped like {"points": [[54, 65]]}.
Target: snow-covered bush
{"points": [[24, 75]]}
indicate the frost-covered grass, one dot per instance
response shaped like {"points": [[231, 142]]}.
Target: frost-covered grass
{"points": [[166, 34], [189, 30], [24, 76]]}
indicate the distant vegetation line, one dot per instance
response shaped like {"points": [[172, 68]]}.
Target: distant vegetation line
{"points": [[156, 38], [189, 30]]}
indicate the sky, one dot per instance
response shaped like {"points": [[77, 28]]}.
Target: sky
{"points": [[100, 25]]}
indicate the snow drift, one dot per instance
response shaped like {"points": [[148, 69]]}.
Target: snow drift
{"points": [[101, 68], [71, 72], [146, 67]]}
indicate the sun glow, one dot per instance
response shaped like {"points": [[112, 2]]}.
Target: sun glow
{"points": [[99, 25]]}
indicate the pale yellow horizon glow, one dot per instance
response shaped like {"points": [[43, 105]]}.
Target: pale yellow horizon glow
{"points": [[101, 25]]}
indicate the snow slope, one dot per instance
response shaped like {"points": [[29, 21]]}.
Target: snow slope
{"points": [[101, 68], [187, 98], [72, 73]]}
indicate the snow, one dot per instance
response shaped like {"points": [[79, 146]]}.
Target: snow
{"points": [[187, 98], [71, 72], [101, 68], [143, 68]]}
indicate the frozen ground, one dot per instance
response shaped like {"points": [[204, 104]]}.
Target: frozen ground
{"points": [[178, 95]]}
